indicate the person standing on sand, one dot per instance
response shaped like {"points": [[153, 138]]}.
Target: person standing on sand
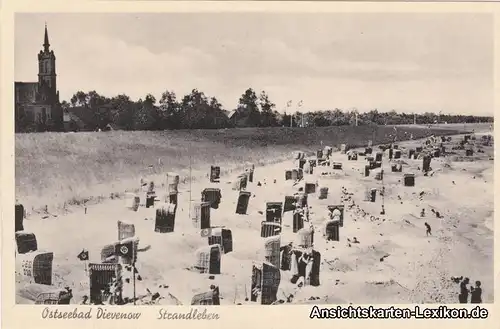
{"points": [[303, 261], [475, 293], [464, 292], [286, 256], [428, 231]]}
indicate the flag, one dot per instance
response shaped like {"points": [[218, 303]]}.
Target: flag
{"points": [[206, 232], [300, 103], [83, 255], [125, 249], [289, 103]]}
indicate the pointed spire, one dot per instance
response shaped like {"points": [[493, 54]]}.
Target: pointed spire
{"points": [[46, 43]]}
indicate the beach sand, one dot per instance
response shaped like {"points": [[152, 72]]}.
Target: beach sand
{"points": [[415, 269]]}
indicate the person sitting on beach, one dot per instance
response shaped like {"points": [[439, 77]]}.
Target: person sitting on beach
{"points": [[463, 296], [328, 215], [216, 293], [428, 231], [306, 213], [475, 293], [85, 299]]}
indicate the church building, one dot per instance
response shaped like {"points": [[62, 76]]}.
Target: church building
{"points": [[37, 106]]}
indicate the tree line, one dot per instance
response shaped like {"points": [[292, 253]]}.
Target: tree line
{"points": [[200, 111]]}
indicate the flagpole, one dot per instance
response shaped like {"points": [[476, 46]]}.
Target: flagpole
{"points": [[167, 195], [288, 104], [133, 274], [298, 109], [190, 180]]}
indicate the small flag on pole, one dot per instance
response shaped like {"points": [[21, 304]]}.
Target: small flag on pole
{"points": [[83, 255], [206, 232], [289, 103], [125, 249], [300, 103]]}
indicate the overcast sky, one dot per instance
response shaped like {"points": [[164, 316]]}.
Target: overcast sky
{"points": [[407, 62]]}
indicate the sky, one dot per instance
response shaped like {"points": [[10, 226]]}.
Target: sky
{"points": [[403, 61]]}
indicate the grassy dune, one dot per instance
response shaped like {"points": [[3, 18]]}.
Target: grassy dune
{"points": [[70, 168]]}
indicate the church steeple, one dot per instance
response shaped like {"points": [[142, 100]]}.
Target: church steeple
{"points": [[47, 69], [46, 43]]}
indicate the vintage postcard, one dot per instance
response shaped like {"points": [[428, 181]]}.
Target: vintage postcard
{"points": [[247, 164]]}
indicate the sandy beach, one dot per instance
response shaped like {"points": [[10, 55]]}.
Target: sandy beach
{"points": [[394, 261]]}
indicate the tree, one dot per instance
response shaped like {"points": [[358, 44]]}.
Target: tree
{"points": [[98, 105], [217, 112], [249, 107], [320, 120], [80, 98], [351, 118], [339, 118], [94, 100], [65, 105], [122, 111], [145, 114], [194, 112], [199, 111], [372, 116], [170, 114], [267, 116]]}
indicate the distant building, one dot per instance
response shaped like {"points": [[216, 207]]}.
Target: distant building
{"points": [[238, 118], [82, 118], [37, 106]]}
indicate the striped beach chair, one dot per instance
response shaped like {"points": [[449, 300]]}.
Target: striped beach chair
{"points": [[266, 279], [222, 237], [214, 174], [165, 218], [206, 298], [272, 249], [102, 277], [208, 259], [200, 216], [212, 196], [36, 266], [331, 230], [26, 242], [274, 211], [19, 217], [269, 229], [125, 230]]}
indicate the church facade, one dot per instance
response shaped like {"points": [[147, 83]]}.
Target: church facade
{"points": [[37, 106]]}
